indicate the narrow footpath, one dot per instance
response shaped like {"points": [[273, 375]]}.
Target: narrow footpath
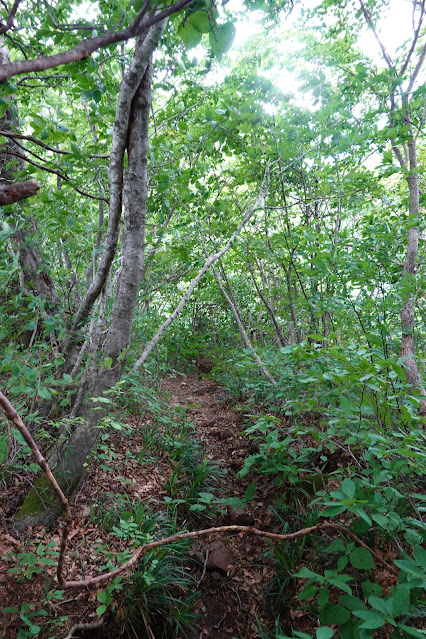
{"points": [[235, 575]]}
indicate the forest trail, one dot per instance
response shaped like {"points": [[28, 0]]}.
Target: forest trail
{"points": [[229, 571], [231, 596]]}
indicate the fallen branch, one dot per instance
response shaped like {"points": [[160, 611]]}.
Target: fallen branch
{"points": [[84, 626], [222, 529]]}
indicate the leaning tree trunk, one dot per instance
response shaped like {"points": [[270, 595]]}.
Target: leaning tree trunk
{"points": [[228, 295], [131, 127]]}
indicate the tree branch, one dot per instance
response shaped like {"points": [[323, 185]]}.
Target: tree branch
{"points": [[31, 138], [10, 18], [10, 193], [86, 47], [376, 35], [14, 417]]}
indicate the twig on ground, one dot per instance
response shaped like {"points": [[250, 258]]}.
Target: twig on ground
{"points": [[204, 568], [147, 626], [223, 529]]}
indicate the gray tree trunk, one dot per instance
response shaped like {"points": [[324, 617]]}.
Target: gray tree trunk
{"points": [[131, 132], [408, 346]]}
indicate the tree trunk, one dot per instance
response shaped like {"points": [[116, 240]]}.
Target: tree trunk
{"points": [[277, 330], [41, 504], [231, 301], [197, 279], [408, 347]]}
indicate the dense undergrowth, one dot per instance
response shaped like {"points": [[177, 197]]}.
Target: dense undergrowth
{"points": [[341, 429], [341, 440]]}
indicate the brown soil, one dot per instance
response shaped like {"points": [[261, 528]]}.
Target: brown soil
{"points": [[230, 603]]}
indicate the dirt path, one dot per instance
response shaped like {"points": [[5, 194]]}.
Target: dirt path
{"points": [[232, 573], [232, 595]]}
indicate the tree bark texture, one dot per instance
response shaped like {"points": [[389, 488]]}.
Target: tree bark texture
{"points": [[408, 347]]}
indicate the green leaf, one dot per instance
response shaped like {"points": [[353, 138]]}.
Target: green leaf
{"points": [[189, 36], [100, 610], [372, 621], [413, 632], [324, 632], [352, 603], [339, 583], [410, 567], [349, 488], [249, 492], [107, 362], [17, 435], [221, 40], [334, 614], [378, 604], [316, 336], [305, 573], [200, 21], [370, 588], [398, 602], [362, 559], [323, 597], [34, 630], [4, 448], [44, 393], [102, 596], [31, 559], [420, 556]]}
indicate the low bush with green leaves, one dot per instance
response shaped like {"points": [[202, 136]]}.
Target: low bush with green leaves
{"points": [[351, 403]]}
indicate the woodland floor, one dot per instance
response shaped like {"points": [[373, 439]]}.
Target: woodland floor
{"points": [[230, 601]]}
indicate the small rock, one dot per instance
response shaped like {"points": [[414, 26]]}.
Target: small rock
{"points": [[239, 517], [220, 558], [208, 423]]}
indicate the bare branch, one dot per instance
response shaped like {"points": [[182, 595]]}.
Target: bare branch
{"points": [[60, 174], [142, 550], [31, 138], [14, 417], [416, 71], [376, 35], [415, 38]]}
